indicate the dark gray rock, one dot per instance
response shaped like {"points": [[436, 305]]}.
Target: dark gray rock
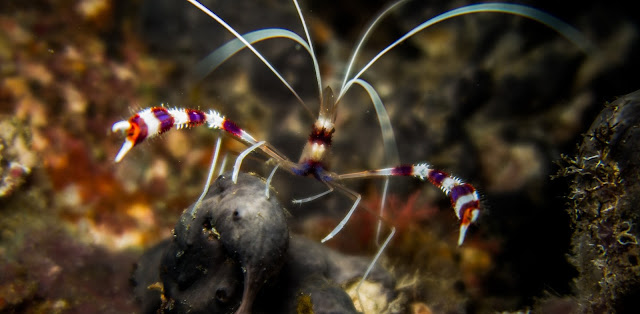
{"points": [[234, 253]]}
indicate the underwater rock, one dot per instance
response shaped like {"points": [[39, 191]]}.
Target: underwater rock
{"points": [[237, 236], [251, 228], [604, 200]]}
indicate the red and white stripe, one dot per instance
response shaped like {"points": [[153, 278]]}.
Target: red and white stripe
{"points": [[464, 197], [153, 121]]}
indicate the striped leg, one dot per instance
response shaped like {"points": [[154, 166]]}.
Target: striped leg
{"points": [[154, 121], [464, 197]]}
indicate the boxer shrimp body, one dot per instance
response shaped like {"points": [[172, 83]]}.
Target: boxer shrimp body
{"points": [[313, 161]]}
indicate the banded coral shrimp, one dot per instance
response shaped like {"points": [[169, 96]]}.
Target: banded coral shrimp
{"points": [[464, 198]]}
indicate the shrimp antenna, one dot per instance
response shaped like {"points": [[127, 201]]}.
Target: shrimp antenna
{"points": [[226, 51], [364, 38], [564, 29], [311, 51], [249, 45], [389, 144]]}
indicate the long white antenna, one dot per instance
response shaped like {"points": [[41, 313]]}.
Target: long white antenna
{"points": [[244, 41], [554, 23], [363, 38], [313, 53]]}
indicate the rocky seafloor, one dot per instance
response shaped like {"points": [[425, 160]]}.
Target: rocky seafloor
{"points": [[500, 101]]}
